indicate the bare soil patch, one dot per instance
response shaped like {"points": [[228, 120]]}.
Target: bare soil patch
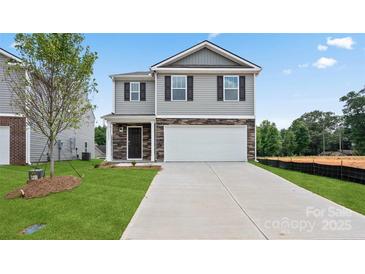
{"points": [[44, 186], [350, 161]]}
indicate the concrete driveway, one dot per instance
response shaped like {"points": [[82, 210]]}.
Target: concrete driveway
{"points": [[236, 201]]}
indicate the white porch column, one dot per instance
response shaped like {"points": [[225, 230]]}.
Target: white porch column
{"points": [[152, 141], [109, 141]]}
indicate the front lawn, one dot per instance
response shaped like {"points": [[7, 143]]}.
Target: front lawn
{"points": [[348, 194], [100, 208]]}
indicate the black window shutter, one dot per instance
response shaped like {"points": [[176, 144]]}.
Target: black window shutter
{"points": [[143, 91], [190, 88], [220, 88], [126, 91], [242, 88], [167, 88]]}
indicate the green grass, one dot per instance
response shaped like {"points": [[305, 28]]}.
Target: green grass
{"points": [[100, 208], [350, 195]]}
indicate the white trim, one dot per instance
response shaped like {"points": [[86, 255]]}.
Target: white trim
{"points": [[208, 116], [152, 141], [131, 159], [155, 93], [238, 88], [138, 76], [113, 94], [130, 91], [130, 119], [208, 70], [27, 144], [209, 46], [10, 55], [11, 115], [172, 88]]}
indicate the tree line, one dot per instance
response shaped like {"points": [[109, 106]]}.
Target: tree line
{"points": [[317, 131]]}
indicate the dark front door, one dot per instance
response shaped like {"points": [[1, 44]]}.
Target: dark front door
{"points": [[134, 143]]}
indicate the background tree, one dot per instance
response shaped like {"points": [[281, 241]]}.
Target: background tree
{"points": [[302, 138], [100, 135], [269, 139], [289, 143], [53, 93], [321, 126], [354, 116]]}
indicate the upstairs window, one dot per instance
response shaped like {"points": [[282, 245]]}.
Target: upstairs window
{"points": [[178, 87], [135, 91], [230, 85]]}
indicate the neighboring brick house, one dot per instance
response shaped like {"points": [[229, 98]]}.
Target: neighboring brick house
{"points": [[198, 105], [21, 144]]}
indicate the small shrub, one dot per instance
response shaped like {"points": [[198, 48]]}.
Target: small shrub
{"points": [[134, 163]]}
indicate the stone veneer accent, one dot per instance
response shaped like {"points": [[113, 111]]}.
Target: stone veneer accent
{"points": [[160, 123], [17, 138], [120, 141]]}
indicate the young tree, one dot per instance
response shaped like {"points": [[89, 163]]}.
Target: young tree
{"points": [[100, 135], [270, 141], [289, 143], [354, 115], [302, 138], [53, 82]]}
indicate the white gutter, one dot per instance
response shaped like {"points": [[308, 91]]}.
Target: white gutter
{"points": [[208, 70]]}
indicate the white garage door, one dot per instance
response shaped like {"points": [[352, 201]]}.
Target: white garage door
{"points": [[205, 143], [4, 145]]}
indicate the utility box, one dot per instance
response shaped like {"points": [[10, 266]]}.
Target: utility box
{"points": [[35, 174], [85, 156]]}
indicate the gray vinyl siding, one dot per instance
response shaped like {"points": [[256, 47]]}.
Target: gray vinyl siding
{"points": [[6, 95], [130, 107], [83, 134], [205, 99], [204, 57]]}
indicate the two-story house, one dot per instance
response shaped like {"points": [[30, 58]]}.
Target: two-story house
{"points": [[21, 144], [198, 105]]}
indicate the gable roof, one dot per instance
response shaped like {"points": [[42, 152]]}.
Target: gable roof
{"points": [[211, 46], [9, 55]]}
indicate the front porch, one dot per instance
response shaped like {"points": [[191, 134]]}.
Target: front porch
{"points": [[130, 138]]}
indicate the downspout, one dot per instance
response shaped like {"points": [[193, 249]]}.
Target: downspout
{"points": [[113, 94], [27, 143], [254, 111]]}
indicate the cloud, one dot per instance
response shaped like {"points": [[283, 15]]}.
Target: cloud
{"points": [[305, 65], [344, 43], [213, 35], [324, 62], [287, 71], [322, 47]]}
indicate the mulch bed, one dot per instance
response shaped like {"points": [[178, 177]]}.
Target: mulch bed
{"points": [[137, 167], [111, 165], [44, 186]]}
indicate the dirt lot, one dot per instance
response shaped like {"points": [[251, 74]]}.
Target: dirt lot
{"points": [[351, 161]]}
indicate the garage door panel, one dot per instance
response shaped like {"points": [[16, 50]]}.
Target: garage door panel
{"points": [[205, 143]]}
